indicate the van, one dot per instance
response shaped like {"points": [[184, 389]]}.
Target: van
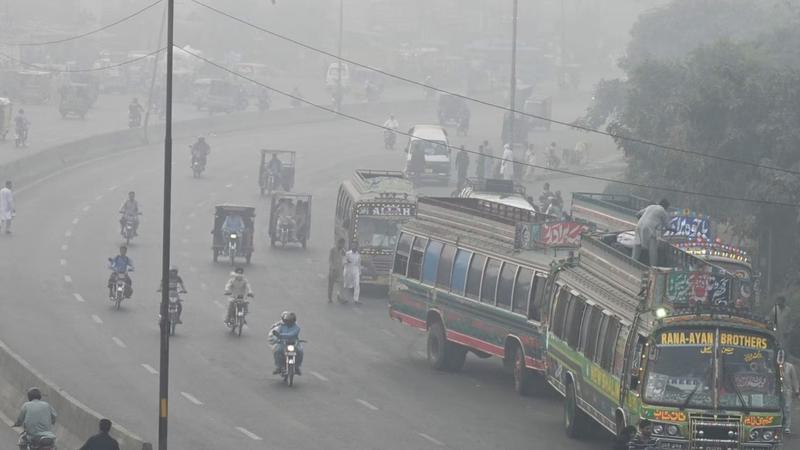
{"points": [[332, 76], [430, 141]]}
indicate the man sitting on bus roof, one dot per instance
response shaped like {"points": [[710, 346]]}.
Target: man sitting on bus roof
{"points": [[651, 219]]}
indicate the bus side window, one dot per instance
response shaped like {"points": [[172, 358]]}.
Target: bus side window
{"points": [[598, 350], [587, 337], [415, 260], [431, 262], [459, 279], [592, 332], [610, 343], [572, 328], [505, 286], [445, 267], [559, 312], [489, 285], [401, 254], [538, 292], [619, 352], [474, 276], [522, 289]]}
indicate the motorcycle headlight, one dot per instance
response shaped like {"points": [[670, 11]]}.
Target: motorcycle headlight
{"points": [[672, 430], [754, 435], [233, 236], [290, 348], [658, 429], [768, 435]]}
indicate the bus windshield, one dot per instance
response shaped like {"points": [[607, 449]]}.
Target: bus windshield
{"points": [[684, 372], [378, 233]]}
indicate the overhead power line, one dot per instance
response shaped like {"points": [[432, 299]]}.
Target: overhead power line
{"points": [[83, 70], [490, 104], [452, 147], [88, 33]]}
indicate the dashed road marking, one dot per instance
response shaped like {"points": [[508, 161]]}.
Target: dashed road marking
{"points": [[230, 185], [192, 269], [388, 333], [192, 215], [97, 318], [113, 188], [191, 398], [98, 198], [68, 233], [87, 208], [64, 247], [187, 227], [367, 404], [203, 286], [68, 278], [76, 220], [63, 262], [249, 434], [150, 369], [184, 241], [119, 342], [321, 276], [318, 375], [216, 302], [431, 439], [79, 297]]}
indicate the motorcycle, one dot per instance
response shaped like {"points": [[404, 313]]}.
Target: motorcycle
{"points": [[239, 313], [290, 357], [272, 182], [233, 247], [129, 229], [118, 288], [389, 139], [21, 137], [285, 232], [172, 311], [198, 166], [41, 443], [134, 120]]}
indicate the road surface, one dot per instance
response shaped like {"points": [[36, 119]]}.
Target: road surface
{"points": [[366, 383]]}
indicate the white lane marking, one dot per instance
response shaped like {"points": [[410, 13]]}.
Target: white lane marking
{"points": [[321, 276], [431, 439], [63, 262], [230, 185], [98, 198], [68, 233], [150, 369], [192, 215], [249, 434], [97, 318], [184, 241], [6, 420], [203, 286], [76, 220], [119, 342], [79, 297], [87, 208], [216, 302], [113, 188], [318, 375], [367, 404], [68, 278], [201, 203], [388, 333], [187, 227], [191, 398], [192, 269], [64, 247]]}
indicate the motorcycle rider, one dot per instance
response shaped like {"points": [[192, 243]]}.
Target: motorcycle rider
{"points": [[36, 418], [286, 330], [130, 212], [175, 282], [135, 112], [236, 287], [200, 151], [390, 131], [21, 125], [275, 168], [120, 266]]}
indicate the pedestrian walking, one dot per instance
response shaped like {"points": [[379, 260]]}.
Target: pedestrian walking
{"points": [[530, 159], [507, 163], [791, 390], [102, 440], [480, 165], [462, 165], [352, 272], [335, 270], [779, 315], [7, 209]]}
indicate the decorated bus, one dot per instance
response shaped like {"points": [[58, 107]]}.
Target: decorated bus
{"points": [[370, 208], [673, 343], [472, 272]]}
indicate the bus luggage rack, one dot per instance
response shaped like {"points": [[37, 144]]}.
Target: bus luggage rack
{"points": [[715, 432]]}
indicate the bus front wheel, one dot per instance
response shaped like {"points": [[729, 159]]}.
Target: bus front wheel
{"points": [[437, 346], [574, 419]]}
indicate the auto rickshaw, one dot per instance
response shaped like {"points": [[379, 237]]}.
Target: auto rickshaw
{"points": [[35, 86], [5, 117], [451, 109], [224, 96], [541, 107], [289, 219], [285, 179], [75, 99], [233, 232]]}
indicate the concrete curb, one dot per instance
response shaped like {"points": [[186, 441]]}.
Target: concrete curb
{"points": [[76, 421]]}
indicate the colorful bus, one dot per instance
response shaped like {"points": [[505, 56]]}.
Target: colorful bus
{"points": [[370, 208], [467, 271], [672, 343]]}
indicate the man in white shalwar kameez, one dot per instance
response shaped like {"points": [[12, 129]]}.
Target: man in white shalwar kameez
{"points": [[352, 272], [507, 164], [7, 210]]}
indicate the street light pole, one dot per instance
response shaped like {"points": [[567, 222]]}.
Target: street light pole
{"points": [[513, 87], [339, 56], [163, 370]]}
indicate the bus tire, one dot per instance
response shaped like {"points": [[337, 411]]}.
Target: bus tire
{"points": [[455, 356], [574, 419], [522, 376], [437, 346]]}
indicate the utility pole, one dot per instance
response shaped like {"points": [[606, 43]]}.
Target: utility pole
{"points": [[563, 70], [513, 87], [163, 369], [153, 77], [339, 56]]}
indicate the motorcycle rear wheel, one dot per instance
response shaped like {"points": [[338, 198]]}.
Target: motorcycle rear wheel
{"points": [[290, 376]]}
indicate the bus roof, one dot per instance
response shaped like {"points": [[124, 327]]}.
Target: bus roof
{"points": [[368, 185]]}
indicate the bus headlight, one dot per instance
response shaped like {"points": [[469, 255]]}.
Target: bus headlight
{"points": [[658, 429], [768, 435], [754, 435], [672, 430]]}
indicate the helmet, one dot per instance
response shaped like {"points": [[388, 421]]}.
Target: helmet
{"points": [[21, 111], [288, 317], [34, 394], [238, 271], [201, 138], [173, 268]]}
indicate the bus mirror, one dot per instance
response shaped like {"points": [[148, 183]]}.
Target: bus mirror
{"points": [[635, 380], [781, 356]]}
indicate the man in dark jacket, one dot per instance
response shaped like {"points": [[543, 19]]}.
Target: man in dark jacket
{"points": [[102, 440], [644, 439]]}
